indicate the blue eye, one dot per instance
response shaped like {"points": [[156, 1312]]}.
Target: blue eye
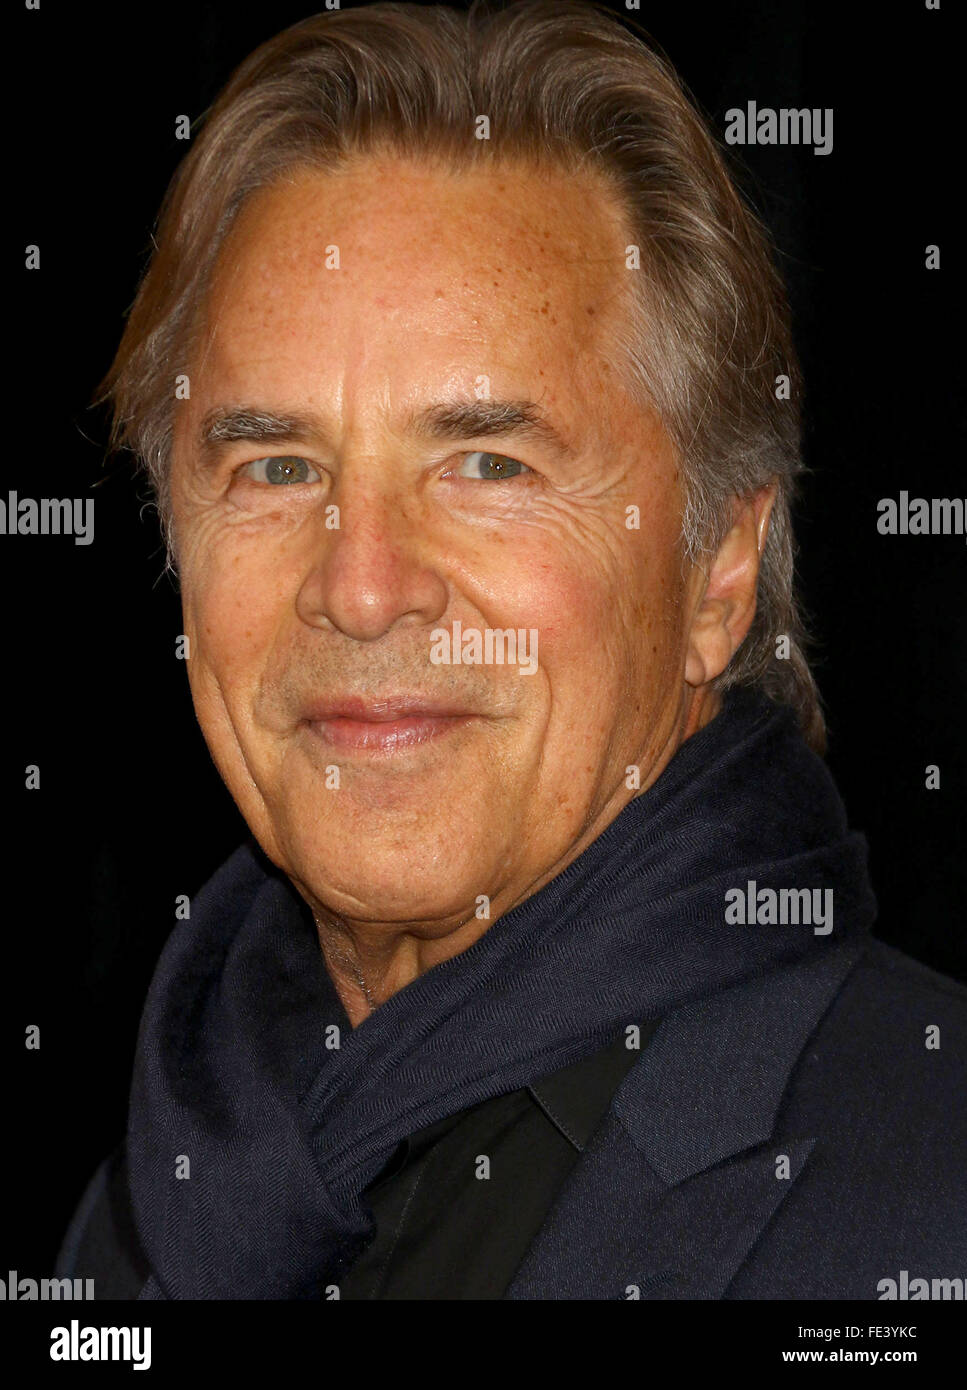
{"points": [[281, 470], [491, 466]]}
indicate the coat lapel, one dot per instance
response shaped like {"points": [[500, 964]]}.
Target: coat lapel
{"points": [[689, 1167]]}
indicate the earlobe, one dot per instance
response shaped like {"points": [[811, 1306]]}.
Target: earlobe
{"points": [[724, 611]]}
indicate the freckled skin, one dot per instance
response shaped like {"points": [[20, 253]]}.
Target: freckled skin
{"points": [[280, 609]]}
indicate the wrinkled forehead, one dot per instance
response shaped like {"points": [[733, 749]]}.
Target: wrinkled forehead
{"points": [[387, 259]]}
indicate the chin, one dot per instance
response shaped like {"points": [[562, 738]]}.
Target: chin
{"points": [[355, 877]]}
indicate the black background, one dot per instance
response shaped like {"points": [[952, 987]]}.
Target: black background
{"points": [[130, 811]]}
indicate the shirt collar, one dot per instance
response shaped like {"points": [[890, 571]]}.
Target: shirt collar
{"points": [[577, 1097]]}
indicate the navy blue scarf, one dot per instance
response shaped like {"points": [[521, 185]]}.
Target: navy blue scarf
{"points": [[251, 1136]]}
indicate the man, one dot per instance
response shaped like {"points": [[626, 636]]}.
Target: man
{"points": [[460, 371]]}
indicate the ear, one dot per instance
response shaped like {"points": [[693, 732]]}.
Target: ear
{"points": [[725, 601]]}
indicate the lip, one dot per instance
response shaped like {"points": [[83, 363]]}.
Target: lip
{"points": [[383, 725]]}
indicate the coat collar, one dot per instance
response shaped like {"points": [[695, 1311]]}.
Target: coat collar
{"points": [[683, 1176]]}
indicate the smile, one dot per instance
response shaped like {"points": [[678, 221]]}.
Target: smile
{"points": [[385, 725], [385, 735]]}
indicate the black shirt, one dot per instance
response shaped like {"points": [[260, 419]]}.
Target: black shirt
{"points": [[459, 1203]]}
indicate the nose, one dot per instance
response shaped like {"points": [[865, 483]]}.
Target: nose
{"points": [[375, 569]]}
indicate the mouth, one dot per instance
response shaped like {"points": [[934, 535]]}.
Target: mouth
{"points": [[383, 725]]}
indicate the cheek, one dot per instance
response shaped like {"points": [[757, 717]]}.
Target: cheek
{"points": [[231, 611], [607, 612]]}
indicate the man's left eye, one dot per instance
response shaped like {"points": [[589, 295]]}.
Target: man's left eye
{"points": [[483, 465], [281, 470]]}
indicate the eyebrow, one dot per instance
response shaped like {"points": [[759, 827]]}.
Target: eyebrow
{"points": [[467, 419], [228, 424], [442, 421]]}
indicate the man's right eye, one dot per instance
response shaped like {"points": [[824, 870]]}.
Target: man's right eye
{"points": [[280, 470]]}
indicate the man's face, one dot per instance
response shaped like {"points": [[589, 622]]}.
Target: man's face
{"points": [[312, 600]]}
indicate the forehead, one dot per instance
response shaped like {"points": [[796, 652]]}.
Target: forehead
{"points": [[407, 267]]}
